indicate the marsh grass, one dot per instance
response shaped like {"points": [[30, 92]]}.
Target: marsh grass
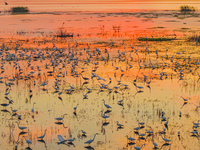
{"points": [[19, 9], [154, 39], [186, 9], [194, 38], [62, 33]]}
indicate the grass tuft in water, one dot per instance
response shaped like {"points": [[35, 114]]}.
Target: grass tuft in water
{"points": [[62, 33], [187, 8], [19, 9], [154, 39], [194, 38]]}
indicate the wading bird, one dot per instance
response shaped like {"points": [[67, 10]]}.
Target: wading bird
{"points": [[130, 138], [90, 141], [166, 140], [106, 105], [138, 148], [27, 141], [60, 118], [21, 128], [42, 136]]}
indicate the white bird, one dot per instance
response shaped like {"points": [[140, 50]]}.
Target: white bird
{"points": [[130, 138], [42, 136], [61, 139], [196, 124], [27, 141], [75, 107], [60, 118], [33, 107], [184, 99], [164, 129], [121, 101], [21, 128], [166, 140], [138, 148], [155, 145], [142, 135], [90, 141], [107, 106], [136, 129], [104, 116], [83, 132], [120, 125], [13, 110], [166, 123], [71, 140], [194, 132], [140, 123]]}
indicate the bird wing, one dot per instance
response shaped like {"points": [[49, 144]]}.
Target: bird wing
{"points": [[61, 138], [89, 141]]}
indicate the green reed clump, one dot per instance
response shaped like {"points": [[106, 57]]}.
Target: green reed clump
{"points": [[154, 39], [19, 9], [187, 8]]}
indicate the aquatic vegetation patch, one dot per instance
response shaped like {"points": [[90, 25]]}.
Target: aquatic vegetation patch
{"points": [[194, 38], [19, 9], [187, 8], [62, 33], [154, 39]]}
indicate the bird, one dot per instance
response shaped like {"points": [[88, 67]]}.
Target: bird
{"points": [[166, 140], [149, 132], [5, 104], [16, 145], [184, 99], [90, 141], [61, 139], [6, 3], [130, 138], [162, 132], [83, 133], [7, 92], [166, 123], [140, 123], [71, 140], [179, 134], [155, 145], [32, 110], [60, 118], [27, 141], [42, 136], [120, 125], [196, 124], [194, 132], [120, 101], [84, 78], [142, 135], [19, 117], [107, 106], [21, 128], [138, 148], [104, 116], [75, 107], [13, 110]]}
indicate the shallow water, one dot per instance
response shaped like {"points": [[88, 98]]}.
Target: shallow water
{"points": [[146, 106], [131, 64]]}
